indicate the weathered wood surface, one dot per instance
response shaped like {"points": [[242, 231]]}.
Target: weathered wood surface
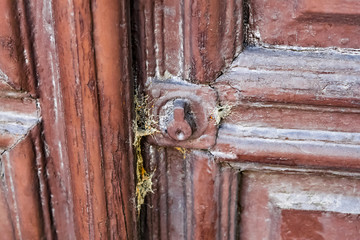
{"points": [[194, 197], [115, 89], [24, 200], [306, 23], [192, 40], [86, 94], [14, 47], [291, 108], [297, 206], [319, 77]]}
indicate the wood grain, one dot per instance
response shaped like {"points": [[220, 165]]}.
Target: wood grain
{"points": [[291, 108], [193, 196], [115, 89], [192, 40], [320, 204], [24, 190], [88, 151], [305, 23]]}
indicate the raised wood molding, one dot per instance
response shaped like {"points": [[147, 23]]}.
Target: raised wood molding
{"points": [[18, 114], [291, 108], [24, 199], [319, 77], [322, 23], [115, 88], [194, 197], [15, 51], [85, 85], [192, 40], [288, 147], [283, 196]]}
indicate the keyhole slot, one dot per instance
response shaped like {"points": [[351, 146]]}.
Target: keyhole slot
{"points": [[179, 127]]}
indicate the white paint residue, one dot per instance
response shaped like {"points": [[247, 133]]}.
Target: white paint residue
{"points": [[53, 81], [181, 45], [223, 155], [3, 76], [292, 134], [312, 201]]}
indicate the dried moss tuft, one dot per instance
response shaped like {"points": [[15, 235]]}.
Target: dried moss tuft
{"points": [[144, 125], [182, 150], [221, 112]]}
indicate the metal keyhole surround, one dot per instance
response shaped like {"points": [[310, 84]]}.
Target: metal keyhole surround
{"points": [[184, 113]]}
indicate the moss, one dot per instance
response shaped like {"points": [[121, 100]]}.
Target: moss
{"points": [[144, 125], [182, 150], [221, 112]]}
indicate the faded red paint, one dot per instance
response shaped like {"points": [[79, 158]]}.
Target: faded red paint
{"points": [[299, 206], [193, 40], [194, 198], [305, 23], [318, 225]]}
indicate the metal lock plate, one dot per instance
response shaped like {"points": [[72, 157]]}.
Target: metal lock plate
{"points": [[185, 114]]}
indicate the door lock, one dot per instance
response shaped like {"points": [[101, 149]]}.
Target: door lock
{"points": [[180, 127], [184, 113]]}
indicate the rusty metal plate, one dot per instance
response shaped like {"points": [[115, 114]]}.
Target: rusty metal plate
{"points": [[199, 114]]}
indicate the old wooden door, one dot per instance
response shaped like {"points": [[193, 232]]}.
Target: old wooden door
{"points": [[66, 89], [280, 80], [252, 112]]}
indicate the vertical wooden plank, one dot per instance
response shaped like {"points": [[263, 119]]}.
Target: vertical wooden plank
{"points": [[64, 56], [205, 196], [228, 197], [194, 197], [192, 40], [43, 190], [115, 89], [11, 57], [77, 70], [22, 190], [48, 76], [6, 226]]}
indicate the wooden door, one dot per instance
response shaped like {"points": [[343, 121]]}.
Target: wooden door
{"points": [[280, 81], [67, 166], [247, 119]]}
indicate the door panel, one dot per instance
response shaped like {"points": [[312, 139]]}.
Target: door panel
{"points": [[305, 23], [194, 197], [193, 40], [24, 196], [279, 110], [85, 91], [299, 206], [287, 118], [67, 172], [23, 188]]}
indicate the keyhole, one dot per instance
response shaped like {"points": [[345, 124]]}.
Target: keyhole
{"points": [[179, 128]]}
